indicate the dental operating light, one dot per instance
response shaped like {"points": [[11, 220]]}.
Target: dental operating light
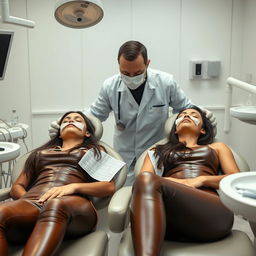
{"points": [[79, 13]]}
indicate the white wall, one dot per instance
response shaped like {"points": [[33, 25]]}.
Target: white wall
{"points": [[242, 135], [53, 68], [15, 88]]}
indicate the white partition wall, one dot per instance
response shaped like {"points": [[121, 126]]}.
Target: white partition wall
{"points": [[242, 135], [15, 88]]}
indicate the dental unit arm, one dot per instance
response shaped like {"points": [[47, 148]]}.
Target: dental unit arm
{"points": [[6, 18]]}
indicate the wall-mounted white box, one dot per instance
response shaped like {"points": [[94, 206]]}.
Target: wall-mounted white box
{"points": [[213, 68], [204, 69]]}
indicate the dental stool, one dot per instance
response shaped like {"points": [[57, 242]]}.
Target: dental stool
{"points": [[93, 244], [236, 244]]}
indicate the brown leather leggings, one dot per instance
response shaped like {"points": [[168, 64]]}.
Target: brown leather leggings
{"points": [[162, 209], [69, 215]]}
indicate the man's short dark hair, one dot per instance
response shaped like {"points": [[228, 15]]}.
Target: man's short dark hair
{"points": [[130, 50]]}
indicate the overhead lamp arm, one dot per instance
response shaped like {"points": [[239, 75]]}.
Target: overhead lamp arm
{"points": [[14, 20]]}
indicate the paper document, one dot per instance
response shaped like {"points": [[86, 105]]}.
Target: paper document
{"points": [[154, 160], [103, 169]]}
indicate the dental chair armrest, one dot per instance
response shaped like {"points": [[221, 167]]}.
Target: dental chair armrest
{"points": [[253, 228], [118, 209], [93, 244], [5, 194]]}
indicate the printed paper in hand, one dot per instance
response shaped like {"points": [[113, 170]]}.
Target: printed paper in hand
{"points": [[154, 160], [103, 169]]}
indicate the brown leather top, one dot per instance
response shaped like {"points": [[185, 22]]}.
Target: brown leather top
{"points": [[200, 161], [56, 168]]}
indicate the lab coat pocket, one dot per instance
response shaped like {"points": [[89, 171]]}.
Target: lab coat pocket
{"points": [[157, 108], [158, 113]]}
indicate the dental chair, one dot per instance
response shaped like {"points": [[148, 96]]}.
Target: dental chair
{"points": [[93, 244], [236, 244]]}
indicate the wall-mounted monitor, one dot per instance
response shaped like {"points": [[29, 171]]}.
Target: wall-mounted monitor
{"points": [[5, 46]]}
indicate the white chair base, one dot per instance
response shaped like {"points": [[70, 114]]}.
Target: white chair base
{"points": [[236, 244], [95, 244]]}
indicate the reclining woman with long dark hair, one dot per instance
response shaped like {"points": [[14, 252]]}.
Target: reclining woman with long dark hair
{"points": [[182, 204], [51, 193]]}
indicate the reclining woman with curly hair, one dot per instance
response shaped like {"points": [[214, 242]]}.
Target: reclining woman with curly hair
{"points": [[182, 204], [51, 193]]}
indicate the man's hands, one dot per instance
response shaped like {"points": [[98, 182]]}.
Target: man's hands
{"points": [[53, 129], [212, 119]]}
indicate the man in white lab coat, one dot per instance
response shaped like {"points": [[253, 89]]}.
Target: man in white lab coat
{"points": [[140, 98]]}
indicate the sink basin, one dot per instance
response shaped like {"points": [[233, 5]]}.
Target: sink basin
{"points": [[246, 114], [236, 202], [10, 152]]}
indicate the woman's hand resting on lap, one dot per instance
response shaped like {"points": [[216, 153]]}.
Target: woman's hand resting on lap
{"points": [[58, 192], [193, 182]]}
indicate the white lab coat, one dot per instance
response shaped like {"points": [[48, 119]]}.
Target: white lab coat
{"points": [[144, 123]]}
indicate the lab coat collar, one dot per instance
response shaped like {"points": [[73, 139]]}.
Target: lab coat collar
{"points": [[125, 91], [122, 87], [147, 95], [148, 91], [150, 80]]}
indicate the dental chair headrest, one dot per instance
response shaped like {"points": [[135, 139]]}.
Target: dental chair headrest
{"points": [[97, 124], [169, 123]]}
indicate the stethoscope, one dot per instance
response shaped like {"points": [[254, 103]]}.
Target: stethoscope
{"points": [[119, 125]]}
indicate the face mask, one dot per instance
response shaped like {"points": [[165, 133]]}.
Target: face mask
{"points": [[79, 125], [194, 119], [135, 81]]}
